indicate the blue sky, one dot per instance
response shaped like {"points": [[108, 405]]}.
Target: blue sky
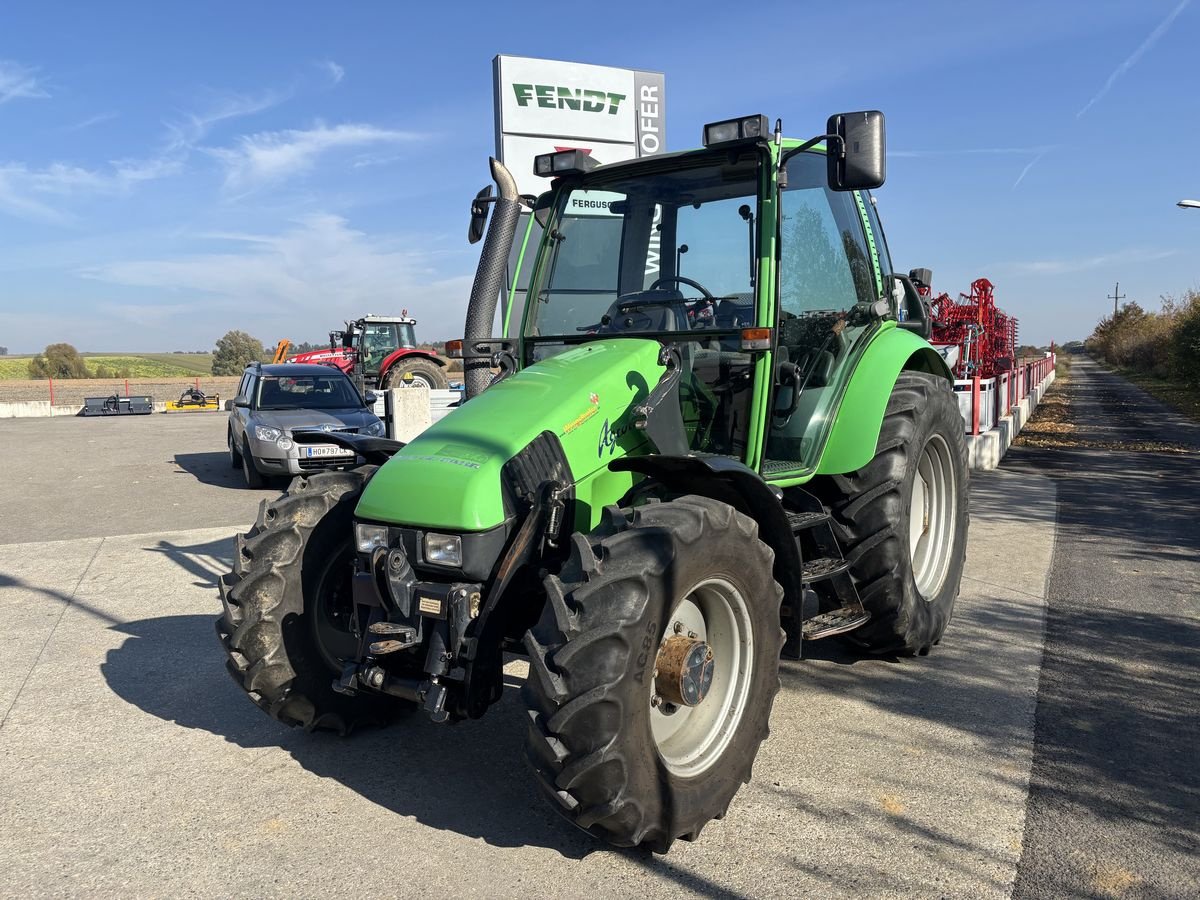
{"points": [[171, 171]]}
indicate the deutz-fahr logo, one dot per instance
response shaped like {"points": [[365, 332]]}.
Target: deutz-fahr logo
{"points": [[549, 96]]}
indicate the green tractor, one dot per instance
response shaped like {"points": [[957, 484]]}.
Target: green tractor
{"points": [[715, 431]]}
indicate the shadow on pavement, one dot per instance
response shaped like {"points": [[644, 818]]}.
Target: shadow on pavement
{"points": [[207, 561], [210, 468], [446, 777], [468, 778]]}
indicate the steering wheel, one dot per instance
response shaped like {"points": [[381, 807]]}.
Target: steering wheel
{"points": [[679, 279]]}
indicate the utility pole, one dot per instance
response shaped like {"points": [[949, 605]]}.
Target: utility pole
{"points": [[1116, 296]]}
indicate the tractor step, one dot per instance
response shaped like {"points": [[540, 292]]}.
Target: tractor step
{"points": [[822, 568], [802, 521], [837, 621]]}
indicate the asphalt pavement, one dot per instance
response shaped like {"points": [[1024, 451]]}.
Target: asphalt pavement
{"points": [[131, 765], [1114, 805]]}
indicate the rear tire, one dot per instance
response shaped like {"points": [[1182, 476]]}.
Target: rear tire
{"points": [[902, 519], [596, 743], [285, 626], [424, 372]]}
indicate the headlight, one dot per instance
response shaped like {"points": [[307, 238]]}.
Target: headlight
{"points": [[369, 537], [267, 433], [444, 550], [375, 428], [284, 444]]}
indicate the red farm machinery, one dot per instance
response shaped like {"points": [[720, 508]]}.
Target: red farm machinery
{"points": [[974, 335]]}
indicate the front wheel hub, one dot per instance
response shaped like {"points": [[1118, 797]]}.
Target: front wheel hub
{"points": [[684, 671]]}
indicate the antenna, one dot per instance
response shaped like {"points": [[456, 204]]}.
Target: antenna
{"points": [[1116, 296]]}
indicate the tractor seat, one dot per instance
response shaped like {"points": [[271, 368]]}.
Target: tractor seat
{"points": [[735, 312]]}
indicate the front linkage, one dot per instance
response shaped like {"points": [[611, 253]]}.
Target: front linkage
{"points": [[462, 626]]}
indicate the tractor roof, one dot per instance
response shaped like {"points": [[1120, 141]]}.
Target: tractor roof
{"points": [[404, 319]]}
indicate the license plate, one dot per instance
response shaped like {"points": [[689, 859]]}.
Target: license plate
{"points": [[326, 450]]}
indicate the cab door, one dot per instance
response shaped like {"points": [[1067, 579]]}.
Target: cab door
{"points": [[828, 276]]}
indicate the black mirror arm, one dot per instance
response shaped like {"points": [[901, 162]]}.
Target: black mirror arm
{"points": [[830, 139]]}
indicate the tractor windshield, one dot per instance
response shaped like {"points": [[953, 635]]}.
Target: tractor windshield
{"points": [[656, 253], [667, 255]]}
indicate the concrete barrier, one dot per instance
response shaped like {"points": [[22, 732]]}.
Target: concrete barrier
{"points": [[35, 409], [996, 409]]}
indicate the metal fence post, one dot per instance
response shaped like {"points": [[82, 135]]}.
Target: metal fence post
{"points": [[975, 404]]}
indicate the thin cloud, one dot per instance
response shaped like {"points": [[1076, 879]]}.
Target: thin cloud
{"points": [[316, 270], [970, 151], [29, 193], [272, 156], [1065, 266], [18, 82], [37, 193], [92, 120], [185, 133], [1137, 54], [335, 72], [1029, 166]]}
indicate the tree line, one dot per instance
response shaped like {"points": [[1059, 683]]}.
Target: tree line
{"points": [[63, 361], [233, 352], [1165, 343]]}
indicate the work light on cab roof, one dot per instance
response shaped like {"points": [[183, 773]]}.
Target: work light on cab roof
{"points": [[564, 162], [747, 128]]}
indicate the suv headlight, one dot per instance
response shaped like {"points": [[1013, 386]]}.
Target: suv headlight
{"points": [[375, 428], [443, 550], [267, 433]]}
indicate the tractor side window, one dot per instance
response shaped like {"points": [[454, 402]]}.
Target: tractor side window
{"points": [[825, 262], [716, 246]]}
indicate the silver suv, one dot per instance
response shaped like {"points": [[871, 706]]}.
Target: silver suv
{"points": [[274, 402]]}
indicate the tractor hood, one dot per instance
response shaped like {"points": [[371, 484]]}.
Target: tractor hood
{"points": [[449, 477]]}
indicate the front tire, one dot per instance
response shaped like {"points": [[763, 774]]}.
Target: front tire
{"points": [[287, 606], [235, 458], [902, 519], [250, 474], [617, 763]]}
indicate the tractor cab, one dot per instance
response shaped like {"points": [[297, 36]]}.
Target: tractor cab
{"points": [[758, 263]]}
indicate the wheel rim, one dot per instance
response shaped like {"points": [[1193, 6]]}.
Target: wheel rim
{"points": [[333, 610], [419, 378], [691, 739], [931, 517]]}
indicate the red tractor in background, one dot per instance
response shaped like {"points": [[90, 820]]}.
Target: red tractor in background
{"points": [[380, 351]]}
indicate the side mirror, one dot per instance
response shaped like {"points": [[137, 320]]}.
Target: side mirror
{"points": [[911, 312], [241, 401], [228, 405], [860, 164], [479, 215], [370, 399], [542, 208]]}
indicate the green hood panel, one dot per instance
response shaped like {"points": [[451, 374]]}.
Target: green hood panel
{"points": [[450, 475]]}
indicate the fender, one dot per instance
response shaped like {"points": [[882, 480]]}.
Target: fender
{"points": [[855, 431], [730, 481], [404, 353]]}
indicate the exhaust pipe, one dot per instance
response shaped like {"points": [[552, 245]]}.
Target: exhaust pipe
{"points": [[489, 276]]}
